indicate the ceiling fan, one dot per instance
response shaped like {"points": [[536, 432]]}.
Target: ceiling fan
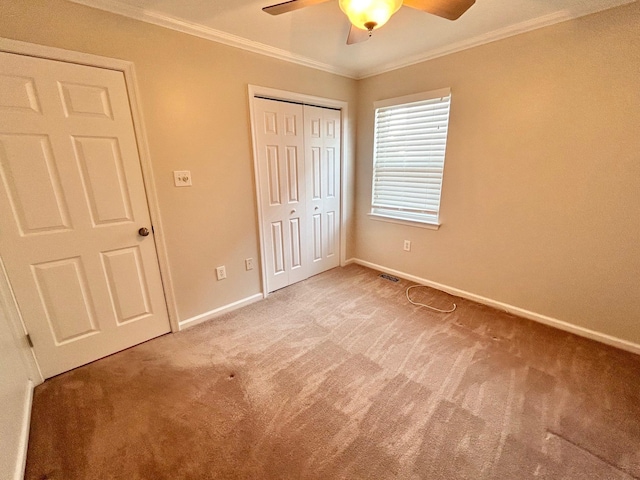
{"points": [[368, 15]]}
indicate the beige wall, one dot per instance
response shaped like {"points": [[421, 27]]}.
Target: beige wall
{"points": [[540, 206], [541, 194], [195, 106]]}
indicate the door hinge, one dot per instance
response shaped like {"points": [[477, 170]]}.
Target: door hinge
{"points": [[29, 341]]}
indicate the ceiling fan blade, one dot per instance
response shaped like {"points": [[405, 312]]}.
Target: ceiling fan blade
{"points": [[356, 35], [449, 9], [290, 6]]}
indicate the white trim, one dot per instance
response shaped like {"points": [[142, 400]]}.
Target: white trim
{"points": [[9, 305], [152, 196], [11, 312], [483, 39], [413, 98], [501, 33], [277, 94], [521, 312], [255, 90], [127, 68], [344, 199], [401, 221], [203, 317], [256, 191], [21, 462], [163, 20], [53, 53], [208, 33]]}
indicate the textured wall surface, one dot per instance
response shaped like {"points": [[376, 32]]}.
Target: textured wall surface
{"points": [[540, 204], [196, 109]]}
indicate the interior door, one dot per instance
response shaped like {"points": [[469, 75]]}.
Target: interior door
{"points": [[72, 201], [281, 170], [322, 162]]}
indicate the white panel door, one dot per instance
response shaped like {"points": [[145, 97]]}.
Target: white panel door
{"points": [[322, 161], [72, 200], [281, 171]]}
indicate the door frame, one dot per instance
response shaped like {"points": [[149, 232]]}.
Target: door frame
{"points": [[284, 95], [131, 84]]}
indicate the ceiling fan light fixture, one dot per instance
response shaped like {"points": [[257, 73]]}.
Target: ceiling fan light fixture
{"points": [[369, 14]]}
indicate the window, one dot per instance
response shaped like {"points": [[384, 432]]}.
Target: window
{"points": [[408, 156]]}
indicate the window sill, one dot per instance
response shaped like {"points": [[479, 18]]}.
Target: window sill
{"points": [[403, 221]]}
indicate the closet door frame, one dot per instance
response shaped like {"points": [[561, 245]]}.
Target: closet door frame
{"points": [[283, 95]]}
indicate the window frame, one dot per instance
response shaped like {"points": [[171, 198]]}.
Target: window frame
{"points": [[423, 219]]}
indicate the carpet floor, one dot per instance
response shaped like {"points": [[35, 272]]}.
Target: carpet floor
{"points": [[339, 377]]}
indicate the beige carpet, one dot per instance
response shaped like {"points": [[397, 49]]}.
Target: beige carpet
{"points": [[338, 377]]}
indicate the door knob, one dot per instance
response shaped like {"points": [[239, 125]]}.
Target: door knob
{"points": [[317, 208], [143, 232], [293, 211]]}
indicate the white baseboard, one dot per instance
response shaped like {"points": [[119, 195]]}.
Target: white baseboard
{"points": [[21, 461], [203, 317], [521, 312]]}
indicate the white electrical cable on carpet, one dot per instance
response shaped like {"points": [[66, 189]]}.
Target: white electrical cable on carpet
{"points": [[423, 305]]}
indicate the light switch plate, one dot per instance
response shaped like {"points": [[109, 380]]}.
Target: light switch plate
{"points": [[221, 272], [182, 178]]}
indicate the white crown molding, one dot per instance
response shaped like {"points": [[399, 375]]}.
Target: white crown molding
{"points": [[167, 21], [510, 31], [493, 36], [173, 23]]}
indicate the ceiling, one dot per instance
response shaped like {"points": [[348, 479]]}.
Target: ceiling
{"points": [[316, 35]]}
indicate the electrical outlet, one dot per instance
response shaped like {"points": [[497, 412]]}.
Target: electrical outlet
{"points": [[221, 272], [182, 178], [407, 245], [248, 263]]}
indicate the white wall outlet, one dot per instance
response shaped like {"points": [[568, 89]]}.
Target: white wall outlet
{"points": [[248, 263], [182, 178], [221, 273], [407, 245]]}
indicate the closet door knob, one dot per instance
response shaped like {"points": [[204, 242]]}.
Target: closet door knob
{"points": [[293, 211], [143, 232]]}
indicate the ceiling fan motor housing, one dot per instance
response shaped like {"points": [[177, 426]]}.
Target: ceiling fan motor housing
{"points": [[369, 14]]}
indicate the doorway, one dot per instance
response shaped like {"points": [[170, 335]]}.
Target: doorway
{"points": [[298, 167], [77, 238]]}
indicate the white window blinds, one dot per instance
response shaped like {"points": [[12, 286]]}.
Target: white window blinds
{"points": [[409, 151]]}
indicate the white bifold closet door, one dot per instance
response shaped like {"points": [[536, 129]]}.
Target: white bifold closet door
{"points": [[298, 155], [72, 202], [322, 175]]}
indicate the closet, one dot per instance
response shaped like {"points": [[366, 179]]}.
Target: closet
{"points": [[298, 164]]}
